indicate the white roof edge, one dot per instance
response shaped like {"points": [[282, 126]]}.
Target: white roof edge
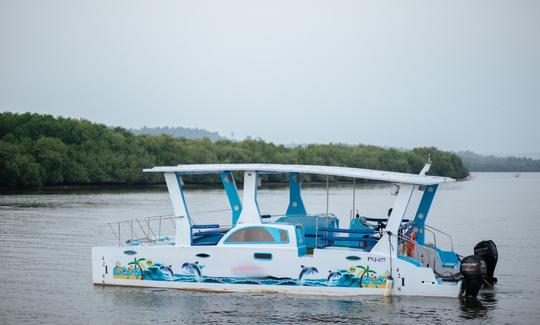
{"points": [[370, 174]]}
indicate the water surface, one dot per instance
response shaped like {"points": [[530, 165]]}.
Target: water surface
{"points": [[46, 238]]}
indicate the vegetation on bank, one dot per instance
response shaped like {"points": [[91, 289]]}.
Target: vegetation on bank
{"points": [[475, 162], [179, 132], [38, 150]]}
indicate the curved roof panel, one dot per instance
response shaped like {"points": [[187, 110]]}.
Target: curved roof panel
{"points": [[369, 174]]}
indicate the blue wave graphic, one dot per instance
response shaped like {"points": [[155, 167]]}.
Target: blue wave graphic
{"points": [[157, 272]]}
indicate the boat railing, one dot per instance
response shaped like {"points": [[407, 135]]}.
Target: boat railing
{"points": [[326, 217], [147, 230], [433, 237], [435, 231], [407, 240], [202, 230], [406, 243]]}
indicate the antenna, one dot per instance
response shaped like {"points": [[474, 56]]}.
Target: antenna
{"points": [[353, 197], [327, 195]]}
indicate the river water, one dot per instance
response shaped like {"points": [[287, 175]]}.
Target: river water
{"points": [[46, 238]]}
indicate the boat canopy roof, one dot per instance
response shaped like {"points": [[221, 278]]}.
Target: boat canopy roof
{"points": [[369, 174]]}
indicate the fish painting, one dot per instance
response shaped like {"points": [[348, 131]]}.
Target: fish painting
{"points": [[306, 271], [194, 269]]}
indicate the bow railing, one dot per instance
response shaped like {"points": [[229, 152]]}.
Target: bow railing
{"points": [[139, 231]]}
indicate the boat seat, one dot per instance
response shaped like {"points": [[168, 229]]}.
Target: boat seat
{"points": [[448, 258], [210, 232], [366, 243], [358, 235], [200, 236], [209, 239], [309, 224], [358, 224]]}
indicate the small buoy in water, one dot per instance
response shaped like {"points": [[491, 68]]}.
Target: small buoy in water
{"points": [[388, 287]]}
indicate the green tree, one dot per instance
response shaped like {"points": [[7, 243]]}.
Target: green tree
{"points": [[366, 271], [38, 150], [136, 264]]}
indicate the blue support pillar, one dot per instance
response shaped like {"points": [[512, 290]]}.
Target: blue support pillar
{"points": [[296, 205], [232, 194], [422, 213]]}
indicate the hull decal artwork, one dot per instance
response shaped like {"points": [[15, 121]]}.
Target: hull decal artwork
{"points": [[144, 269]]}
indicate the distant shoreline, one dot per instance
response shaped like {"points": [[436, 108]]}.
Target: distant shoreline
{"points": [[195, 186], [192, 186]]}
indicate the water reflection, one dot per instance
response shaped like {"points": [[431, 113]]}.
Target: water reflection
{"points": [[478, 308]]}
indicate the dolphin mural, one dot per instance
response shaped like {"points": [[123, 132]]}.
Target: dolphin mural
{"points": [[194, 269], [333, 276], [306, 271], [167, 270]]}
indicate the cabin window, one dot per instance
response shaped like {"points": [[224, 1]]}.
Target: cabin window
{"points": [[259, 235], [251, 235], [283, 236], [299, 235]]}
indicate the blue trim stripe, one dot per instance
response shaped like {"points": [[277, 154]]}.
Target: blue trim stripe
{"points": [[422, 212], [296, 204], [232, 195]]}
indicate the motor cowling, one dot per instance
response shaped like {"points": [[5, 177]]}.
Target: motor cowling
{"points": [[488, 251], [474, 270]]}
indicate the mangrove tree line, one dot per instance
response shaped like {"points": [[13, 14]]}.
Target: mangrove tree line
{"points": [[38, 150]]}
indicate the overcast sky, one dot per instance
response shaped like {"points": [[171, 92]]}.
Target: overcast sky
{"points": [[453, 74]]}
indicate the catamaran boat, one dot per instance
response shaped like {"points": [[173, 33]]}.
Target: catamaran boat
{"points": [[296, 252]]}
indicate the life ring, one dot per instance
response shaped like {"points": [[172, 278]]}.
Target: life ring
{"points": [[411, 243]]}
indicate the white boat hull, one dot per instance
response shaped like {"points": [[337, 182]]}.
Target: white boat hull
{"points": [[233, 269]]}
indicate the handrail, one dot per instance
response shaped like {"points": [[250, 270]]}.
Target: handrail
{"points": [[209, 211], [443, 233], [145, 226], [434, 236], [429, 248], [325, 217], [151, 218], [415, 243], [432, 230]]}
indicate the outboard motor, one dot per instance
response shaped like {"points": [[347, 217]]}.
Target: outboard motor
{"points": [[488, 251], [474, 270]]}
